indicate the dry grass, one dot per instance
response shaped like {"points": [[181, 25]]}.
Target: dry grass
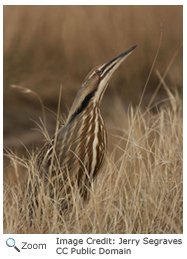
{"points": [[137, 191]]}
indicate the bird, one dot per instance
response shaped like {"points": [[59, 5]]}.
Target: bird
{"points": [[76, 152]]}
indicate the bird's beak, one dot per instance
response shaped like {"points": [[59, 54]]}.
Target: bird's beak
{"points": [[111, 66]]}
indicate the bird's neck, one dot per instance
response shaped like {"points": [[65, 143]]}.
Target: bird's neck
{"points": [[82, 108]]}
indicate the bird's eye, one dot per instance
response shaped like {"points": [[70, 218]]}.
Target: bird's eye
{"points": [[98, 71]]}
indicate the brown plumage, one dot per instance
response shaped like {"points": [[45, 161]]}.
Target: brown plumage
{"points": [[80, 144]]}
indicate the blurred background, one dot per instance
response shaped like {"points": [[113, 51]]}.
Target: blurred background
{"points": [[49, 46]]}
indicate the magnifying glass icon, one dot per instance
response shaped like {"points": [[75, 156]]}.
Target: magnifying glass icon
{"points": [[11, 243]]}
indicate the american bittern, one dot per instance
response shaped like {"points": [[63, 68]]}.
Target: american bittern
{"points": [[80, 144]]}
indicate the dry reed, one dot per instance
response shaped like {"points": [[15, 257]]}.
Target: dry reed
{"points": [[138, 191]]}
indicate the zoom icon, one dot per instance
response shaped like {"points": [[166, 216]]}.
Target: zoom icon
{"points": [[11, 243]]}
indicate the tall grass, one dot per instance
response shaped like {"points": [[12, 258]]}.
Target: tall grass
{"points": [[138, 190]]}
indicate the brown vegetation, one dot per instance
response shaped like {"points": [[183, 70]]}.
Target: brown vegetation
{"points": [[139, 189]]}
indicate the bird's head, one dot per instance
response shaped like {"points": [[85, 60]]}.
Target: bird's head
{"points": [[96, 83]]}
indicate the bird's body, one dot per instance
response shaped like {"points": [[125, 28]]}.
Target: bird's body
{"points": [[77, 152]]}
